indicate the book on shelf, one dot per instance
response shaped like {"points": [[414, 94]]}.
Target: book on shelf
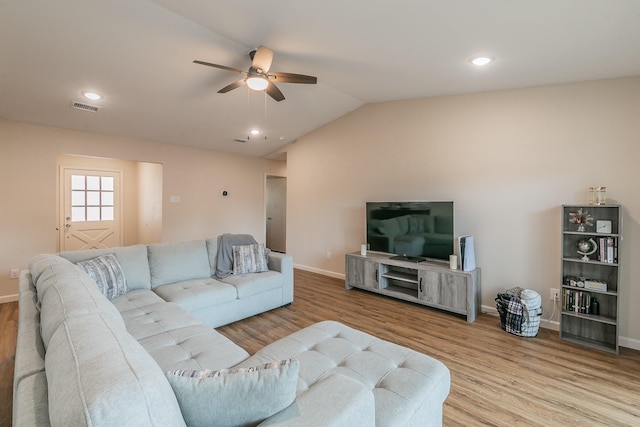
{"points": [[608, 250], [577, 301]]}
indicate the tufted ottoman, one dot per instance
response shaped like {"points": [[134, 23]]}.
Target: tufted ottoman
{"points": [[408, 388]]}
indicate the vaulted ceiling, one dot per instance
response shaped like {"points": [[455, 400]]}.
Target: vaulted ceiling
{"points": [[138, 55]]}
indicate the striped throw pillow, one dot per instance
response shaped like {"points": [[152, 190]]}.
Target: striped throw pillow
{"points": [[107, 273], [250, 259]]}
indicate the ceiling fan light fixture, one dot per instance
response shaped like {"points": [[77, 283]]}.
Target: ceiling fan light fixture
{"points": [[257, 83]]}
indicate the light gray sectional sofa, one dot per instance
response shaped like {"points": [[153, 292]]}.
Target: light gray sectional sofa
{"points": [[150, 356]]}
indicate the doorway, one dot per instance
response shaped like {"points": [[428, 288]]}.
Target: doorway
{"points": [[276, 211], [137, 202]]}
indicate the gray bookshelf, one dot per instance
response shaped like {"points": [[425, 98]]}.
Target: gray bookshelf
{"points": [[589, 277], [427, 283]]}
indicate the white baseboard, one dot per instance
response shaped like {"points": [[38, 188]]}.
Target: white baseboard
{"points": [[8, 298], [629, 343], [320, 271], [555, 325]]}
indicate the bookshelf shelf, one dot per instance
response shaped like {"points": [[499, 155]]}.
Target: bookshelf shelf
{"points": [[590, 288]]}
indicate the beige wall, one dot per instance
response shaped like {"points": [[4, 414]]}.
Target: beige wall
{"points": [[28, 170], [507, 159], [149, 202]]}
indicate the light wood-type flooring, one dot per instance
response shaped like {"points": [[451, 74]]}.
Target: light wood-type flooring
{"points": [[497, 379]]}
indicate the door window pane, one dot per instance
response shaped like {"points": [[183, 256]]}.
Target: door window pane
{"points": [[107, 198], [93, 198], [77, 182], [77, 214], [93, 183], [93, 213], [107, 213], [107, 183], [77, 198]]}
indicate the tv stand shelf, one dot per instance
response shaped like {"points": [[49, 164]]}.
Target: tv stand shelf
{"points": [[431, 284]]}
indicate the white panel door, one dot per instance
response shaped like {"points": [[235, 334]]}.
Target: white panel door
{"points": [[90, 209]]}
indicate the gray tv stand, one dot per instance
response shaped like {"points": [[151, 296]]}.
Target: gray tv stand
{"points": [[428, 283]]}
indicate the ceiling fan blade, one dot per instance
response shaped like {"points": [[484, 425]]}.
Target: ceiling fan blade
{"points": [[292, 78], [274, 92], [232, 86], [262, 59], [222, 67]]}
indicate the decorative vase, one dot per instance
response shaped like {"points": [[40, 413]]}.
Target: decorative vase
{"points": [[580, 227]]}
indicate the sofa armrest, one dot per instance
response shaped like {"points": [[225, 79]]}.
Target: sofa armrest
{"points": [[280, 262], [335, 401], [283, 263]]}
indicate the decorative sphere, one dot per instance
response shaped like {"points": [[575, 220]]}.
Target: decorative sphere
{"points": [[584, 246]]}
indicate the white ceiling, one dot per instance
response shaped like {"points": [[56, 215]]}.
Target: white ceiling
{"points": [[138, 54]]}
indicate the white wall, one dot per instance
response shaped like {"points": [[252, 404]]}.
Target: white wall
{"points": [[507, 159], [28, 196]]}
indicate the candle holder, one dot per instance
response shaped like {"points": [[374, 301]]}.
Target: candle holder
{"points": [[597, 196]]}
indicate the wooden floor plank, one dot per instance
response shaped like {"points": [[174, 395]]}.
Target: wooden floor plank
{"points": [[9, 328], [498, 379]]}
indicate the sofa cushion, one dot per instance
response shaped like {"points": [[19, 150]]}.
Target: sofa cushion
{"points": [[212, 398], [154, 319], [177, 340], [408, 386], [105, 270], [212, 252], [136, 299], [193, 347], [197, 294], [98, 374], [47, 269], [132, 259], [250, 259], [175, 262], [70, 293], [247, 285], [335, 400]]}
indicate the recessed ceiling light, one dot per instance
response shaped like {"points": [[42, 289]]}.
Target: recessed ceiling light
{"points": [[255, 132], [91, 95], [481, 60]]}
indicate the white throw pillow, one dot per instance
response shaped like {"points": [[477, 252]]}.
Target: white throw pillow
{"points": [[235, 397]]}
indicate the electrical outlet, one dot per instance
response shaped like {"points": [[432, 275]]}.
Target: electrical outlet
{"points": [[554, 294], [15, 273], [328, 254]]}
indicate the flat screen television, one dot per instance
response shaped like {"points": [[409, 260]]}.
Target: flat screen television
{"points": [[412, 231]]}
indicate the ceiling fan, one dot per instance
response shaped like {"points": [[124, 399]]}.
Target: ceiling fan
{"points": [[259, 78]]}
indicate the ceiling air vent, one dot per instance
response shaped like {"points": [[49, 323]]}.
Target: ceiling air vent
{"points": [[84, 107]]}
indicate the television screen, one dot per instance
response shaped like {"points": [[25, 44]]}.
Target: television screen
{"points": [[414, 231]]}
